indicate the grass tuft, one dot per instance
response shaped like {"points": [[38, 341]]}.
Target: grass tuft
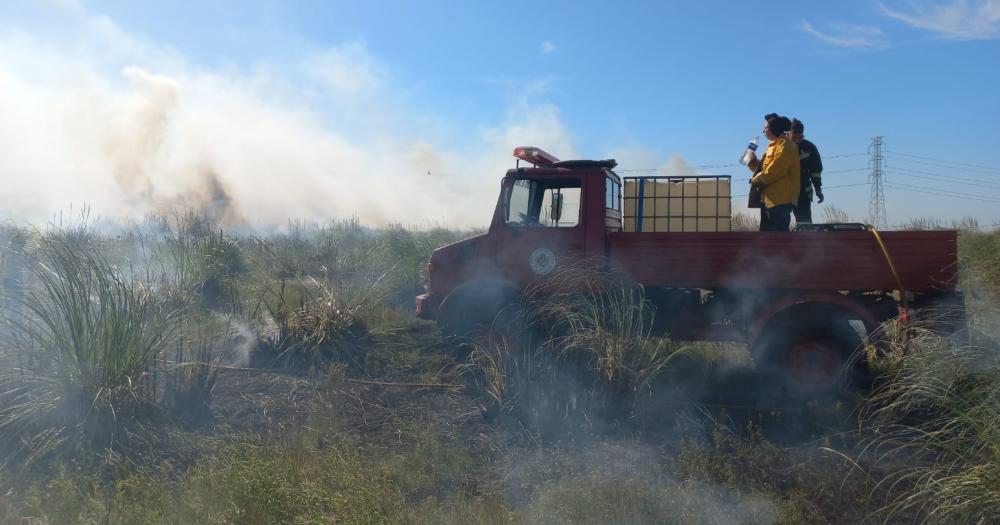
{"points": [[937, 411], [84, 343]]}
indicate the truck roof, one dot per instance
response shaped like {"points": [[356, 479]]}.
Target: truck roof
{"points": [[542, 159], [565, 167], [584, 164]]}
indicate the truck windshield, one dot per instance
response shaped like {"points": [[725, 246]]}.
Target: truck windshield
{"points": [[543, 204]]}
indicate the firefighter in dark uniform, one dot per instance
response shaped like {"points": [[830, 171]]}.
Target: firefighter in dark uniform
{"points": [[811, 169]]}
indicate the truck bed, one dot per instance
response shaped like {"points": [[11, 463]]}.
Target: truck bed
{"points": [[845, 260]]}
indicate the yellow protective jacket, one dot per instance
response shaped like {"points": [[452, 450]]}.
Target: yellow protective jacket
{"points": [[780, 173]]}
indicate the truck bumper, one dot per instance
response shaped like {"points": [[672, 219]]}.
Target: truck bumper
{"points": [[427, 306]]}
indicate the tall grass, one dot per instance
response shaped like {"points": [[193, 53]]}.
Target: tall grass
{"points": [[833, 214], [85, 342], [933, 223], [745, 222], [191, 263], [580, 345], [316, 323], [189, 379], [605, 323], [937, 412]]}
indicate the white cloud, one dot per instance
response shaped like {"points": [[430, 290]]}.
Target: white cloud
{"points": [[962, 19], [106, 118], [548, 47], [76, 5], [847, 35]]}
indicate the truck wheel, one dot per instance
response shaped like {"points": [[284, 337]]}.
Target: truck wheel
{"points": [[474, 306], [814, 351]]}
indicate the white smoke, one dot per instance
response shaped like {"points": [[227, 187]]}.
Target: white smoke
{"points": [[649, 162], [104, 118], [676, 165]]}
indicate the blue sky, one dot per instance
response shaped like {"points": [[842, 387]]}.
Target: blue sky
{"points": [[641, 81]]}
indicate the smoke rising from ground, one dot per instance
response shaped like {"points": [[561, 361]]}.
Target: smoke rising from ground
{"points": [[106, 119]]}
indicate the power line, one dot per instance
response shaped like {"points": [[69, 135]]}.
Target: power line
{"points": [[825, 187], [650, 170], [825, 173], [844, 171], [846, 185], [941, 178], [944, 161], [985, 171], [709, 166], [732, 165], [844, 155], [946, 175], [940, 193]]}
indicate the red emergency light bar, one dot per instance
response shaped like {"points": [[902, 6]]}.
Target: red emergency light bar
{"points": [[535, 156]]}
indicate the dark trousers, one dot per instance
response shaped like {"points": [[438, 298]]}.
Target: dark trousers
{"points": [[776, 218], [803, 210]]}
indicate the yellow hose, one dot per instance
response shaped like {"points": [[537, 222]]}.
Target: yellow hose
{"points": [[905, 313]]}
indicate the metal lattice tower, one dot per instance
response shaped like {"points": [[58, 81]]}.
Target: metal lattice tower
{"points": [[876, 202]]}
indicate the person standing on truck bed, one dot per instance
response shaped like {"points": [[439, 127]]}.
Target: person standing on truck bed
{"points": [[777, 175], [810, 171]]}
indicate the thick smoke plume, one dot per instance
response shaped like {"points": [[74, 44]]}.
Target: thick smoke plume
{"points": [[127, 127]]}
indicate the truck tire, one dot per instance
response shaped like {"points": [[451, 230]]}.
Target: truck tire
{"points": [[813, 352], [470, 308]]}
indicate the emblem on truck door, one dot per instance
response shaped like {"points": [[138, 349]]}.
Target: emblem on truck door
{"points": [[542, 261]]}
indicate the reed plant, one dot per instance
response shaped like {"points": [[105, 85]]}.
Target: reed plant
{"points": [[508, 370], [193, 264], [607, 323], [190, 376], [936, 410], [84, 340], [580, 343], [315, 322], [745, 222]]}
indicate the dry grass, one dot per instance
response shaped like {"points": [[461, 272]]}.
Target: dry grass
{"points": [[84, 341], [937, 411], [99, 347]]}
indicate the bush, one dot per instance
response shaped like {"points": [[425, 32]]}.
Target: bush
{"points": [[194, 264], [189, 379], [327, 325], [938, 410], [596, 357], [84, 344]]}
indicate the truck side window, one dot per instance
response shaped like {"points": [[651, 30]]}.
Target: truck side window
{"points": [[570, 215], [612, 194]]}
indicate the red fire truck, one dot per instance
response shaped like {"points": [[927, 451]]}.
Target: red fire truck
{"points": [[802, 300]]}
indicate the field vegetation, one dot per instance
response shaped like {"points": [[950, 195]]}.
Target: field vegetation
{"points": [[172, 372]]}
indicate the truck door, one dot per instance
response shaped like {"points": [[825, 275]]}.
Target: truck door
{"points": [[541, 228]]}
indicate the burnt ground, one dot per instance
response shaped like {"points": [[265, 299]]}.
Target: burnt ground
{"points": [[701, 426]]}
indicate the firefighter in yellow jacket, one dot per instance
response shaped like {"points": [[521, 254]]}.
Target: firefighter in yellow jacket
{"points": [[777, 175]]}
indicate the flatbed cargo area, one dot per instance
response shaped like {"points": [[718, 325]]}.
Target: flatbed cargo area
{"points": [[846, 260]]}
